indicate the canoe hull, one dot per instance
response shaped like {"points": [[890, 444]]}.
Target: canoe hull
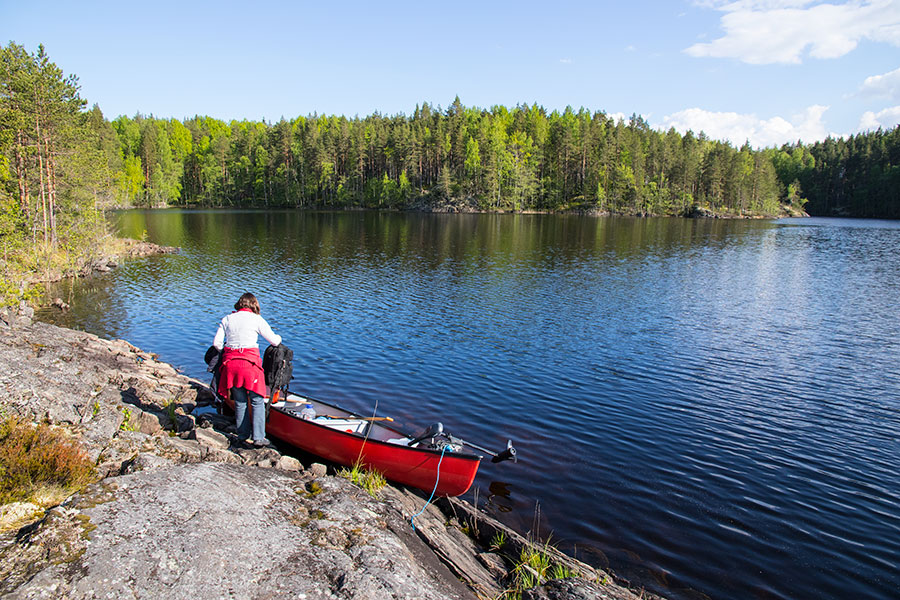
{"points": [[419, 468], [450, 473]]}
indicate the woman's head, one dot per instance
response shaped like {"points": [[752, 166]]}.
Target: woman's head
{"points": [[248, 300]]}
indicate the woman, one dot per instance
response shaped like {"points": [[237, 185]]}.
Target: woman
{"points": [[240, 371]]}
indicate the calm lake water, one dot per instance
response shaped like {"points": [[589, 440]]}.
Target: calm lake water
{"points": [[709, 408]]}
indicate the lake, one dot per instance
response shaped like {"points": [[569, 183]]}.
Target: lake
{"points": [[707, 407]]}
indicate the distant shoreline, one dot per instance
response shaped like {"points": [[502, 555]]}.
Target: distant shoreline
{"points": [[696, 212]]}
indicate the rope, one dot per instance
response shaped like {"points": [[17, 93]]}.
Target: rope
{"points": [[413, 518]]}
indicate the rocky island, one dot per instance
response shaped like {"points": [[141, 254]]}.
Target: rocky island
{"points": [[180, 509]]}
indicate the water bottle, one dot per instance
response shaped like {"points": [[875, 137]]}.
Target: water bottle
{"points": [[308, 413]]}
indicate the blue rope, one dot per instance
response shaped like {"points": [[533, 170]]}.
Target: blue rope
{"points": [[413, 518]]}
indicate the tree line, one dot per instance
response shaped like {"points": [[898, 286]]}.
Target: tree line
{"points": [[62, 164], [857, 176], [520, 159]]}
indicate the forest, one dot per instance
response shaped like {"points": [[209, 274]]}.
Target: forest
{"points": [[63, 164], [520, 159]]}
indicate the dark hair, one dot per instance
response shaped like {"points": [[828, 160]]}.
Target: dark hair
{"points": [[248, 300]]}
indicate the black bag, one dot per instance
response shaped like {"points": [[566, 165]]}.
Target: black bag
{"points": [[211, 358], [278, 365]]}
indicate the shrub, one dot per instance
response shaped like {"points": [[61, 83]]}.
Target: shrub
{"points": [[40, 463]]}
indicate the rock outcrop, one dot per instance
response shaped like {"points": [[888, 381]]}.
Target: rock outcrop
{"points": [[183, 510], [214, 530]]}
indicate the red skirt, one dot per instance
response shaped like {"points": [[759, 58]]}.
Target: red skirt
{"points": [[241, 367]]}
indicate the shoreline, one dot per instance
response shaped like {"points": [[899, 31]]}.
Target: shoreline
{"points": [[109, 254], [135, 416], [118, 250], [695, 212]]}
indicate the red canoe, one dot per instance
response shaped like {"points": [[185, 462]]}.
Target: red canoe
{"points": [[434, 463]]}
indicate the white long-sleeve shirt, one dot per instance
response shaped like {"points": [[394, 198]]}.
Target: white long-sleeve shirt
{"points": [[241, 329]]}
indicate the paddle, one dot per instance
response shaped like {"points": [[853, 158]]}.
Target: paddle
{"points": [[357, 418], [508, 454], [438, 429]]}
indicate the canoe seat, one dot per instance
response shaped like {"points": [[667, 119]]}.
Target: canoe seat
{"points": [[348, 425], [399, 441]]}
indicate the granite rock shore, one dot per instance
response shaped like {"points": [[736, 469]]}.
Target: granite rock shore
{"points": [[182, 509]]}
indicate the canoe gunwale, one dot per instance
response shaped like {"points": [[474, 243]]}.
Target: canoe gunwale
{"points": [[467, 454]]}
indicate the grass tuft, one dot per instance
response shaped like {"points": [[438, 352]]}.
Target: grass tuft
{"points": [[532, 567], [371, 481], [498, 541], [170, 412]]}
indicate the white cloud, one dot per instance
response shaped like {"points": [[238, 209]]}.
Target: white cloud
{"points": [[782, 31], [880, 86], [886, 119], [739, 128], [566, 61], [752, 4]]}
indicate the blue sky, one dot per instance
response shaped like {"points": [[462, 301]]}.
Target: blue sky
{"points": [[767, 71]]}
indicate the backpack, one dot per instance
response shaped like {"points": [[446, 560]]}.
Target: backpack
{"points": [[211, 358], [278, 366]]}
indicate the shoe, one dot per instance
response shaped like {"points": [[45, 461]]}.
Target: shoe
{"points": [[263, 443]]}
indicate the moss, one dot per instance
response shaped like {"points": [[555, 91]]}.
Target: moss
{"points": [[86, 526], [357, 537], [99, 494], [313, 489], [298, 520]]}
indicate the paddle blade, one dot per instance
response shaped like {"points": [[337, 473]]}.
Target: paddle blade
{"points": [[508, 454]]}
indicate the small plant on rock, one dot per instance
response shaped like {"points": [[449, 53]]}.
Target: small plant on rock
{"points": [[313, 489], [498, 541], [560, 571], [532, 567], [127, 425], [173, 418], [371, 481]]}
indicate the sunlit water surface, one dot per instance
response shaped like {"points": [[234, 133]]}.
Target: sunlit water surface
{"points": [[706, 407]]}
